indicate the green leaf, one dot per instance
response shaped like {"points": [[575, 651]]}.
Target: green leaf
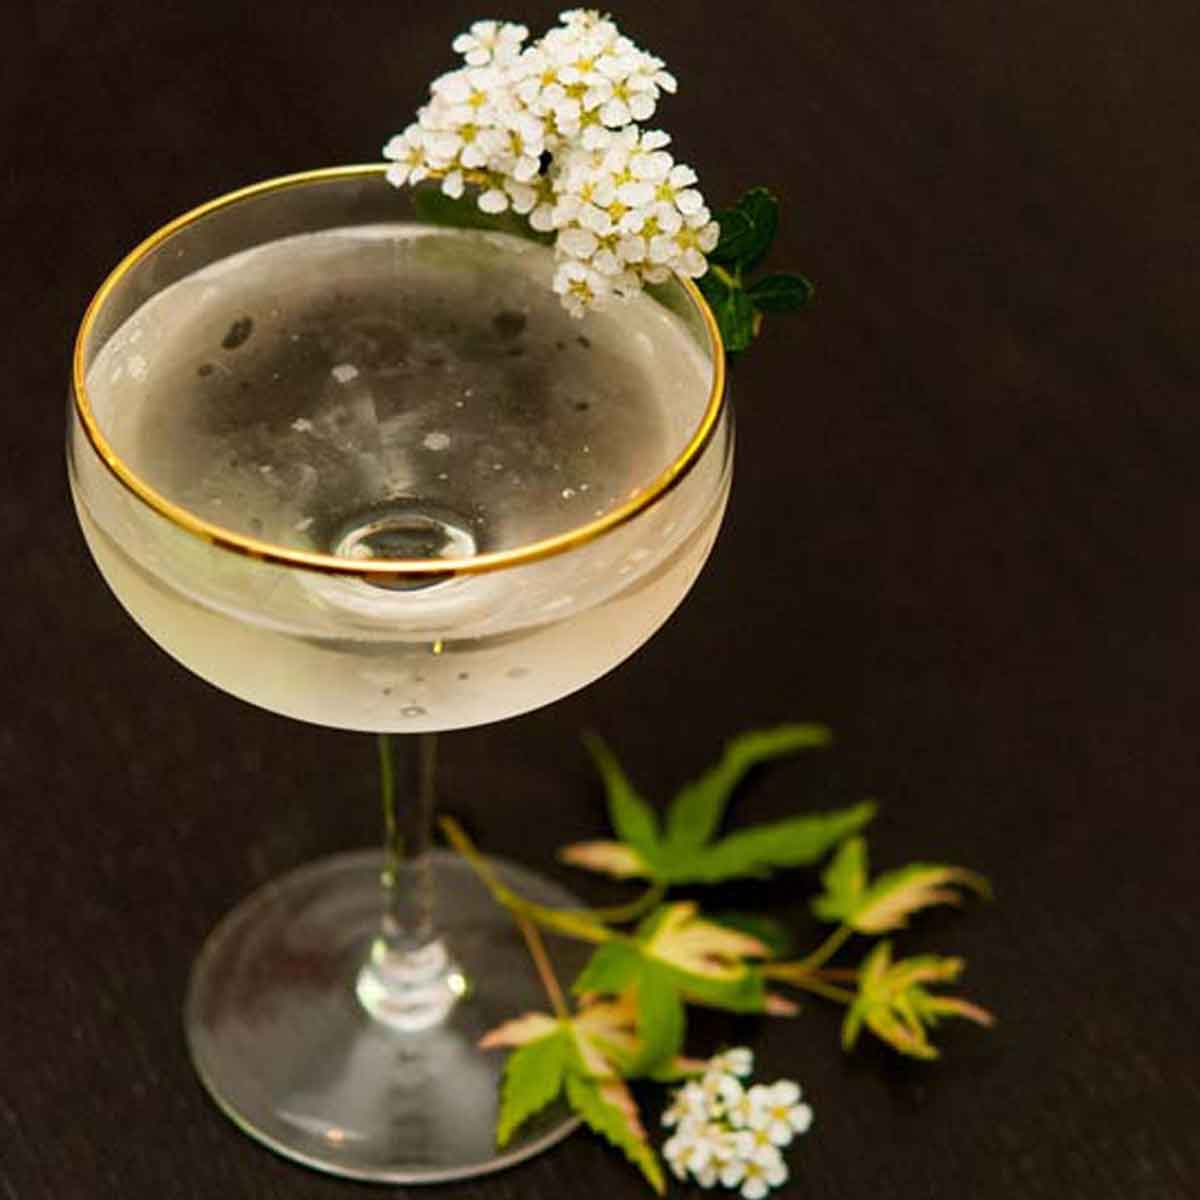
{"points": [[780, 293], [618, 966], [772, 933], [660, 1017], [432, 206], [737, 231], [685, 854], [631, 816], [705, 961], [894, 1003], [747, 230], [610, 858], [696, 812], [845, 880], [533, 1076], [607, 1110], [735, 318], [795, 842], [894, 896], [612, 968], [746, 993]]}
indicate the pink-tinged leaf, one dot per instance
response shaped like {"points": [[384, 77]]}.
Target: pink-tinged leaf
{"points": [[908, 1039], [519, 1031], [896, 895], [593, 1059], [686, 941], [533, 1077], [924, 968], [606, 1033], [953, 1006], [776, 1005], [614, 1092], [609, 858], [679, 1068], [894, 1004], [608, 1108]]}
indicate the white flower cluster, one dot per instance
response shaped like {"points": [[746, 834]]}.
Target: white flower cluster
{"points": [[550, 130], [728, 1133]]}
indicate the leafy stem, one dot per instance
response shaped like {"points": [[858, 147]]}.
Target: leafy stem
{"points": [[719, 272], [656, 956], [565, 921], [808, 981], [620, 914], [541, 960], [827, 949], [739, 305]]}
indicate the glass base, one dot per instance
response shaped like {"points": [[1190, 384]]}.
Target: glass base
{"points": [[287, 1050]]}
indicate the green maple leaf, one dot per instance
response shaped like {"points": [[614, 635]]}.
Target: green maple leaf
{"points": [[889, 901], [578, 1058], [608, 1109], [894, 1001], [677, 957], [533, 1077], [687, 849]]}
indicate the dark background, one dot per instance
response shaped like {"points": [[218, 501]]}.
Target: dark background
{"points": [[963, 533]]}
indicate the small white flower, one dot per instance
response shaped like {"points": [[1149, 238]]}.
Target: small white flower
{"points": [[692, 242], [453, 184], [783, 1114], [407, 152], [745, 1111], [721, 1088], [490, 41], [754, 1144], [738, 1060], [580, 287], [694, 1149], [493, 201], [752, 1177], [690, 1104]]}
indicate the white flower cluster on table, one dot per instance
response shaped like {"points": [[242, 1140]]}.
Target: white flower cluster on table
{"points": [[551, 131], [732, 1134]]}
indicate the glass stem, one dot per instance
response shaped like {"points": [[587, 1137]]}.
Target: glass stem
{"points": [[407, 875], [408, 980]]}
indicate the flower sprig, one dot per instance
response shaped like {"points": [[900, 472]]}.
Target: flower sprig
{"points": [[729, 1133], [550, 130], [553, 131], [657, 955]]}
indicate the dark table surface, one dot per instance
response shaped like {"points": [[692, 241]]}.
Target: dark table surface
{"points": [[962, 534]]}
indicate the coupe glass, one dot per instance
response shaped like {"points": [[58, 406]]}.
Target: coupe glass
{"points": [[351, 462]]}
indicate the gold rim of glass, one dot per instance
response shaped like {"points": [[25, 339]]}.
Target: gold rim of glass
{"points": [[252, 547]]}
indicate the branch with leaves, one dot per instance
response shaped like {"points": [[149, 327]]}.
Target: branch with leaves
{"points": [[658, 955], [740, 302]]}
